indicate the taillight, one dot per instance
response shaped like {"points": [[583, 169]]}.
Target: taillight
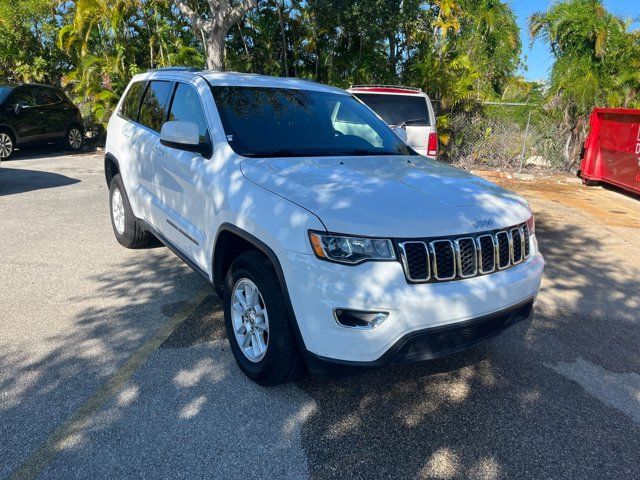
{"points": [[432, 146]]}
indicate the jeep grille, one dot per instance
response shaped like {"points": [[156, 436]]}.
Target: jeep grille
{"points": [[453, 258]]}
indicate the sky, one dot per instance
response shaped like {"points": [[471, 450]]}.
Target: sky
{"points": [[538, 57]]}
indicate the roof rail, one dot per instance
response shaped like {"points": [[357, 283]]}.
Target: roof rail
{"points": [[175, 69], [415, 89]]}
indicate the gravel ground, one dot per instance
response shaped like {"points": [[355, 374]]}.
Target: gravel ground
{"points": [[96, 382]]}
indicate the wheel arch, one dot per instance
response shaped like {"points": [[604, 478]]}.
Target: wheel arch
{"points": [[74, 123], [111, 167], [232, 241], [12, 134]]}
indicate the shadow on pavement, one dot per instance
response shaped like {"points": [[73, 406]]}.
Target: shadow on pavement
{"points": [[34, 152], [498, 411], [493, 412], [18, 180]]}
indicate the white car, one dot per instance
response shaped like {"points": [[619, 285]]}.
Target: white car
{"points": [[407, 110], [332, 244]]}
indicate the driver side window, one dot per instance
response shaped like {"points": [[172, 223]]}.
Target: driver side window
{"points": [[23, 97], [348, 122], [186, 106]]}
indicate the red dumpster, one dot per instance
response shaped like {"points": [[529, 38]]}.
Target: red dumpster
{"points": [[612, 149]]}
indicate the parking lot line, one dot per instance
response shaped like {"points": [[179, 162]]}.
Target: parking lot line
{"points": [[54, 444]]}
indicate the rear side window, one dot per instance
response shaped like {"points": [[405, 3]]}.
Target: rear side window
{"points": [[47, 96], [398, 109], [154, 105], [131, 102], [186, 107]]}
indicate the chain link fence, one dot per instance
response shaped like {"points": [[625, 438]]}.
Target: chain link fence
{"points": [[504, 135]]}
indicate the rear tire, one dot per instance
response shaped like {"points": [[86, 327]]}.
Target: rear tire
{"points": [[7, 145], [281, 361], [128, 230], [74, 138]]}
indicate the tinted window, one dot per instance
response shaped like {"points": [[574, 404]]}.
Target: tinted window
{"points": [[397, 109], [186, 107], [131, 102], [24, 97], [264, 122], [46, 96], [4, 93], [154, 103]]}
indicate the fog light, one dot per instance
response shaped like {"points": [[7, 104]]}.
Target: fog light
{"points": [[359, 319]]}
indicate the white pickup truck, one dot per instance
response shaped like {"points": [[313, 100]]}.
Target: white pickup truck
{"points": [[333, 244]]}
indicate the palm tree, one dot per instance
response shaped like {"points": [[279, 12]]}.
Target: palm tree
{"points": [[596, 62]]}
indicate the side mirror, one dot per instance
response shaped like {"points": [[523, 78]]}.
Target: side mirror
{"points": [[183, 136]]}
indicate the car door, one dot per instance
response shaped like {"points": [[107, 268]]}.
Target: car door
{"points": [[23, 116], [181, 183], [50, 112], [144, 138]]}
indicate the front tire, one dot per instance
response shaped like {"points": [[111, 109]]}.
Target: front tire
{"points": [[127, 228], [258, 323], [7, 145]]}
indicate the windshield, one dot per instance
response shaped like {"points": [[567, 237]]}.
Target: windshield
{"points": [[284, 122], [4, 92], [398, 109]]}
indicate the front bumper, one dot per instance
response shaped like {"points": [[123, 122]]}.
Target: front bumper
{"points": [[317, 287], [432, 343]]}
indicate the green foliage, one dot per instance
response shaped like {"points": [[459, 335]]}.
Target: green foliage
{"points": [[110, 41], [597, 63], [462, 52], [597, 58], [28, 31]]}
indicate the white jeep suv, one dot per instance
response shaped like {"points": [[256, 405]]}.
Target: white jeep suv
{"points": [[333, 245]]}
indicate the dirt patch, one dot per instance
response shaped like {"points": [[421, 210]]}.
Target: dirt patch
{"points": [[609, 207]]}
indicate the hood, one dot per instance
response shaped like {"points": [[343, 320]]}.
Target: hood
{"points": [[389, 196]]}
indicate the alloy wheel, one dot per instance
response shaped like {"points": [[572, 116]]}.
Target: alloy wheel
{"points": [[250, 320], [75, 138], [117, 210], [6, 145]]}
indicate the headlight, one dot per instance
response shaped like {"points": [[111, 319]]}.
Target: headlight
{"points": [[345, 249]]}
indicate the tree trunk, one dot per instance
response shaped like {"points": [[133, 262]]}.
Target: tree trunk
{"points": [[224, 15], [392, 53], [283, 39], [215, 50]]}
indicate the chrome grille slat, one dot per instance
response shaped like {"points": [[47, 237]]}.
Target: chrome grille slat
{"points": [[527, 240], [503, 240], [486, 253], [466, 256], [411, 253], [443, 255], [517, 245]]}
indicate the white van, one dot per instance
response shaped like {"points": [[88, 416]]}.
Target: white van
{"points": [[407, 110]]}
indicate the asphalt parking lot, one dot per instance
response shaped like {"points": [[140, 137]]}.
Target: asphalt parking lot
{"points": [[114, 363]]}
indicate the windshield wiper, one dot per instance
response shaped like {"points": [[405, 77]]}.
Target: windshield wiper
{"points": [[413, 120]]}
